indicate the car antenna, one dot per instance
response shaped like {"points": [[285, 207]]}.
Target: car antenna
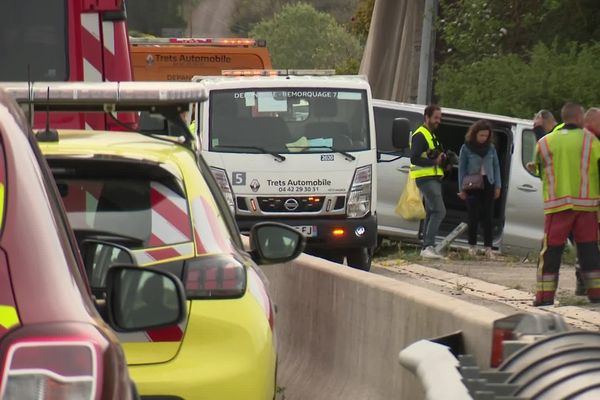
{"points": [[29, 96], [47, 135]]}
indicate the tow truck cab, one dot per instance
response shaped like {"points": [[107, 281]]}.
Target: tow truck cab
{"points": [[298, 149]]}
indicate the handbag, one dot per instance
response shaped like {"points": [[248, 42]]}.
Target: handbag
{"points": [[410, 204], [472, 182]]}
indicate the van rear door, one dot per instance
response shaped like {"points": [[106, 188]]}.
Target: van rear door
{"points": [[524, 224], [392, 175]]}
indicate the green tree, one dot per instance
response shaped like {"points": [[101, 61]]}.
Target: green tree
{"points": [[361, 21], [247, 13], [518, 86], [301, 37], [514, 57]]}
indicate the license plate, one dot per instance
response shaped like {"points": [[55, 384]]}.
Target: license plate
{"points": [[308, 230]]}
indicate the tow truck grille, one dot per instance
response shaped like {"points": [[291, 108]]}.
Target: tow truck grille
{"points": [[291, 204]]}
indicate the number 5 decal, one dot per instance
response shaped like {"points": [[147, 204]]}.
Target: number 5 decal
{"points": [[238, 178]]}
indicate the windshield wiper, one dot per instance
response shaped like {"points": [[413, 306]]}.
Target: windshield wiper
{"points": [[346, 155], [277, 156], [107, 236]]}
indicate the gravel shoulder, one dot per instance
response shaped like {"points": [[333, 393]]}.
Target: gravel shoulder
{"points": [[505, 284]]}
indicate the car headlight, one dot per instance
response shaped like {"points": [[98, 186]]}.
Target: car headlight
{"points": [[223, 182], [359, 199]]}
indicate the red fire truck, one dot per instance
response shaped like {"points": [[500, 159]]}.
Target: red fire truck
{"points": [[66, 40]]}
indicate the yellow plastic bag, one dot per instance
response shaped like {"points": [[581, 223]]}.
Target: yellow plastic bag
{"points": [[410, 203]]}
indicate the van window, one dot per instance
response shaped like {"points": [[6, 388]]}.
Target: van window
{"points": [[527, 146], [384, 119]]}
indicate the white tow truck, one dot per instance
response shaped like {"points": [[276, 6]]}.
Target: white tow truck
{"points": [[296, 147]]}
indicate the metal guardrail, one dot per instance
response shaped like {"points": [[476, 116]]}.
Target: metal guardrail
{"points": [[540, 360]]}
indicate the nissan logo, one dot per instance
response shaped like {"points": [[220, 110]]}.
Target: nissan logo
{"points": [[291, 204]]}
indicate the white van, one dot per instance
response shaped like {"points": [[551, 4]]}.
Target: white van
{"points": [[298, 150], [518, 214]]}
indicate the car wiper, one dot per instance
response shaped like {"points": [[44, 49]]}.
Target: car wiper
{"points": [[107, 236], [277, 156], [346, 155]]}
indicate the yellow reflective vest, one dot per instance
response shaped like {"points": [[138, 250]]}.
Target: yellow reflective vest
{"points": [[568, 165], [421, 172]]}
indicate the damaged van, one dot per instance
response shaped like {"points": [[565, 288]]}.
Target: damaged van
{"points": [[518, 215]]}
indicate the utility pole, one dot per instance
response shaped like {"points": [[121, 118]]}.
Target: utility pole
{"points": [[426, 53]]}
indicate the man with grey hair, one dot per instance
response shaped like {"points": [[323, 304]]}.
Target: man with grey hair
{"points": [[544, 122]]}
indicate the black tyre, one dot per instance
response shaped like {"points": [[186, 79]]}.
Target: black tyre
{"points": [[360, 258]]}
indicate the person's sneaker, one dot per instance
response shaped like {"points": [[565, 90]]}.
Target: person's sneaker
{"points": [[430, 253], [489, 253], [472, 250]]}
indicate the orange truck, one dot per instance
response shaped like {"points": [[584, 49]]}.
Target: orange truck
{"points": [[179, 59]]}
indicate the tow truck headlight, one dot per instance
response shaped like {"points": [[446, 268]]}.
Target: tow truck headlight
{"points": [[359, 199], [223, 182]]}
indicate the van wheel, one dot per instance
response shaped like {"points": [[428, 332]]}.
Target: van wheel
{"points": [[360, 258]]}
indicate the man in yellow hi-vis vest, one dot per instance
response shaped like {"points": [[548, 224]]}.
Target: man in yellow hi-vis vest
{"points": [[567, 161], [427, 158]]}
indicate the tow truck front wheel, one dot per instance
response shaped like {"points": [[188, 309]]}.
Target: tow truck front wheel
{"points": [[360, 258]]}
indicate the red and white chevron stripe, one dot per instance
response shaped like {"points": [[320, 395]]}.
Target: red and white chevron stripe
{"points": [[210, 233]]}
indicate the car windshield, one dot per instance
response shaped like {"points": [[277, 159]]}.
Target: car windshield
{"points": [[288, 120], [124, 205]]}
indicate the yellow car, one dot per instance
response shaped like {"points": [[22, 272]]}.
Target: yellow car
{"points": [[159, 200]]}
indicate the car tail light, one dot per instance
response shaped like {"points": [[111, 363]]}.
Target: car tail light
{"points": [[515, 331], [214, 277], [499, 335], [49, 369]]}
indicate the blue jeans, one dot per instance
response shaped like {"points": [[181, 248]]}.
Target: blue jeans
{"points": [[435, 210]]}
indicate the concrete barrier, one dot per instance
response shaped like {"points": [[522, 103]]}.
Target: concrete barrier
{"points": [[340, 330]]}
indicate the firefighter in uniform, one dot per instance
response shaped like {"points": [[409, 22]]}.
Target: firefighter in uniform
{"points": [[571, 198]]}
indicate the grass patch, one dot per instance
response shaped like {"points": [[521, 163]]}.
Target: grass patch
{"points": [[392, 250], [569, 256], [571, 300]]}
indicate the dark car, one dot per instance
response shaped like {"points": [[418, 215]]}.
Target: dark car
{"points": [[54, 344]]}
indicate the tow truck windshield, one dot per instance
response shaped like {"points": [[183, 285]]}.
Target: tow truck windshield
{"points": [[288, 120], [33, 38]]}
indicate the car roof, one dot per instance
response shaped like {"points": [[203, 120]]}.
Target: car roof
{"points": [[419, 108], [322, 82], [130, 145]]}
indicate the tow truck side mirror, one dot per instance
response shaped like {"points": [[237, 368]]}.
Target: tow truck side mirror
{"points": [[401, 133]]}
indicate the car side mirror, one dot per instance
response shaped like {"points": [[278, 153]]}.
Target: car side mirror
{"points": [[273, 243], [401, 133], [98, 257], [141, 298]]}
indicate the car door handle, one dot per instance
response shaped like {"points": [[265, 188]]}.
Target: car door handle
{"points": [[405, 169], [527, 188]]}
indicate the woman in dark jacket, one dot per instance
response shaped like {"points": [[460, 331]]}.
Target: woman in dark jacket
{"points": [[478, 156]]}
